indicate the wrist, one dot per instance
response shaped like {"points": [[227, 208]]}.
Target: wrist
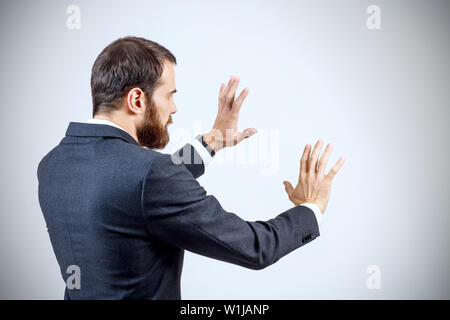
{"points": [[211, 141], [309, 203]]}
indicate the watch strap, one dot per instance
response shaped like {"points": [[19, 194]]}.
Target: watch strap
{"points": [[207, 147]]}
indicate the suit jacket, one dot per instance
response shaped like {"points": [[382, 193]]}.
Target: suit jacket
{"points": [[124, 214]]}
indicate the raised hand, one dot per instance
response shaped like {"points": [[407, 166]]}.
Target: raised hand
{"points": [[314, 186], [225, 131]]}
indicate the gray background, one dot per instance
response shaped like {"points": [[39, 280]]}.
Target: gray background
{"points": [[314, 71]]}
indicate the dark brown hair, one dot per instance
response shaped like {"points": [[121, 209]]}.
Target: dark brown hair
{"points": [[126, 63]]}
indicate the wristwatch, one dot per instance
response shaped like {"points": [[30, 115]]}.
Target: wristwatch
{"points": [[207, 147]]}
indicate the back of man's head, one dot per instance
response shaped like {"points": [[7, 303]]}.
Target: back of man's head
{"points": [[124, 64]]}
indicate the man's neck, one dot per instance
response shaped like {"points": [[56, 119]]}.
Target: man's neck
{"points": [[126, 125]]}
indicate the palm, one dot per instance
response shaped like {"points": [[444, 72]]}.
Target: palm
{"points": [[225, 130]]}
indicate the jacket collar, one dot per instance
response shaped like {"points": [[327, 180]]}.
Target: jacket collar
{"points": [[80, 129]]}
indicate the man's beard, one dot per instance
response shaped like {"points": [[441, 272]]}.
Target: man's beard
{"points": [[152, 133]]}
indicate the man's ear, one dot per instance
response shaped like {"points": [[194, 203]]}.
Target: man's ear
{"points": [[135, 100]]}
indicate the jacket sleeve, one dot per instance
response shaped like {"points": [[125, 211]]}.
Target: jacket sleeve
{"points": [[191, 159], [178, 211]]}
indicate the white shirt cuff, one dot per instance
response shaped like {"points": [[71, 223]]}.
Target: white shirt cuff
{"points": [[316, 211], [204, 154]]}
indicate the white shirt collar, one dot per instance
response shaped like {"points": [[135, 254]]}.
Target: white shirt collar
{"points": [[107, 122]]}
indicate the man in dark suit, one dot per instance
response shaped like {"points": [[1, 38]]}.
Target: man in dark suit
{"points": [[120, 214]]}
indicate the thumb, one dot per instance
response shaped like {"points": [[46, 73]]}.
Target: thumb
{"points": [[246, 134], [288, 187]]}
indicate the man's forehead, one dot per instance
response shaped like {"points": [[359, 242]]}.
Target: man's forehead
{"points": [[168, 76]]}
